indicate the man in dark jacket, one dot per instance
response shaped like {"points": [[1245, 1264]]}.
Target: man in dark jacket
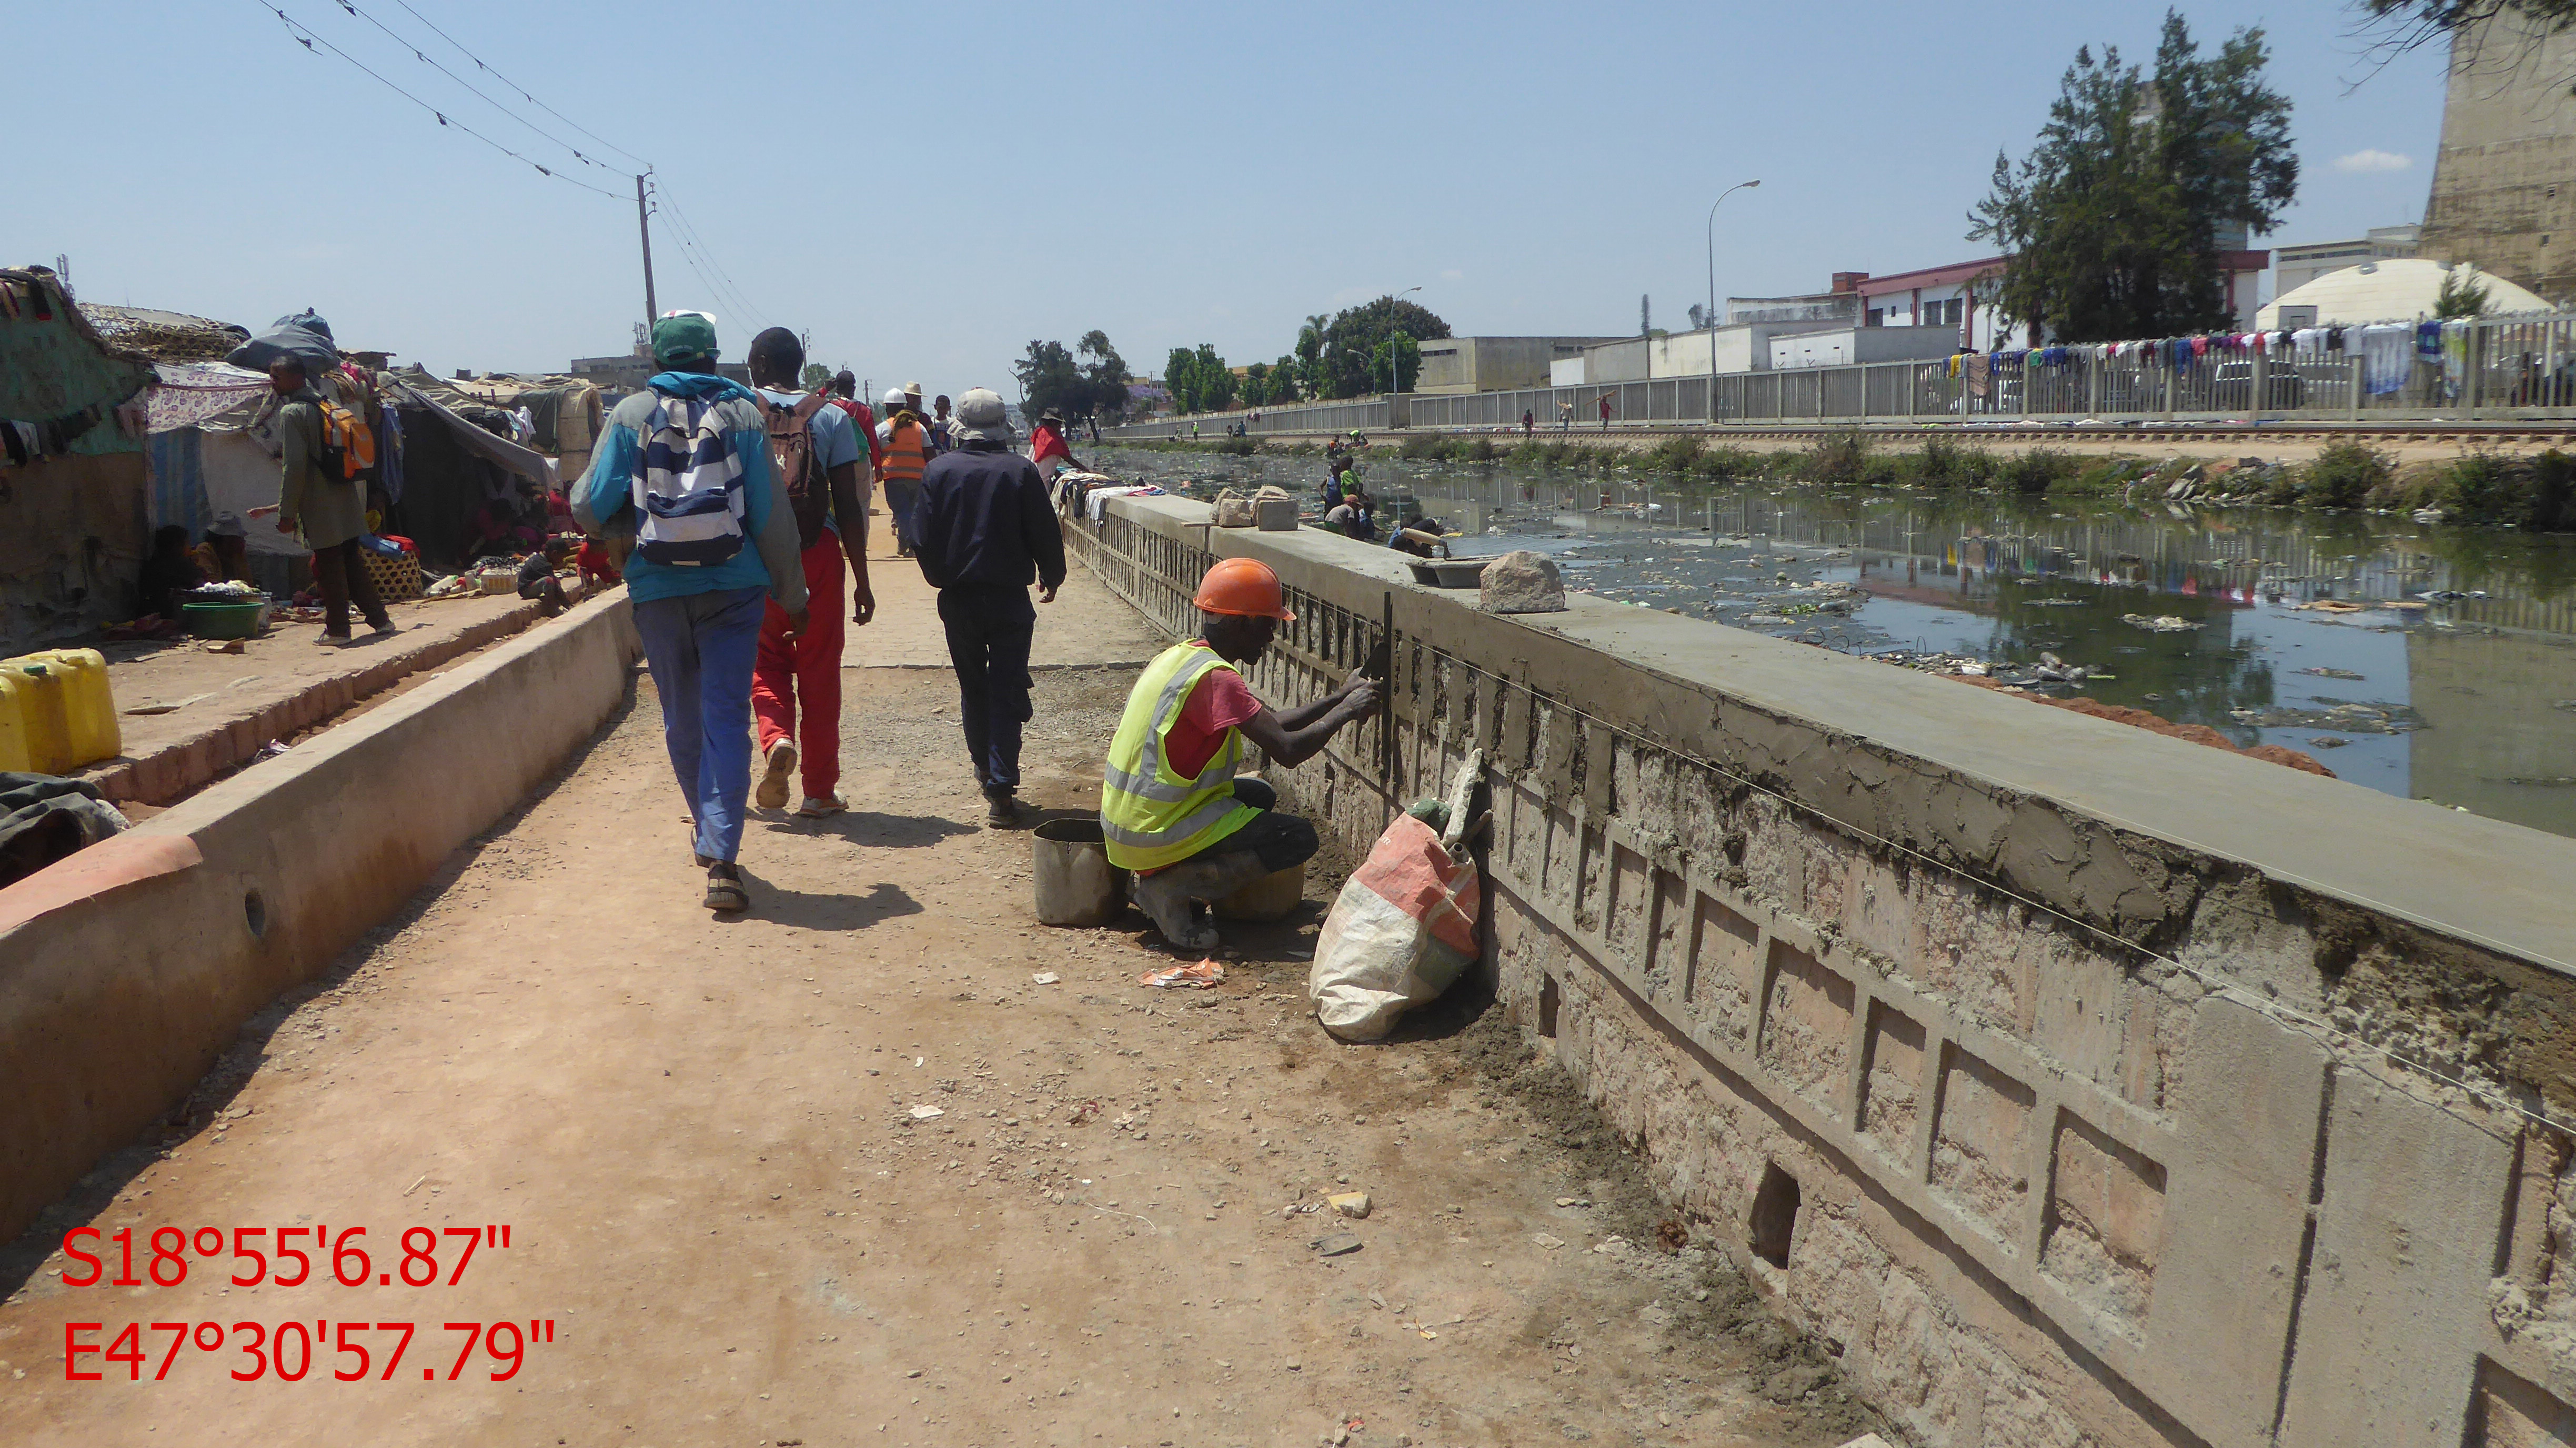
{"points": [[985, 531]]}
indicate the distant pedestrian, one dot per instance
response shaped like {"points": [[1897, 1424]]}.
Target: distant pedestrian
{"points": [[1529, 423], [685, 464], [943, 428], [1565, 414], [905, 442], [1605, 412], [1047, 447], [822, 468], [321, 497], [986, 533], [845, 396]]}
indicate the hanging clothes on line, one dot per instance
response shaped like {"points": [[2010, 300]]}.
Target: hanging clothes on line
{"points": [[2387, 353]]}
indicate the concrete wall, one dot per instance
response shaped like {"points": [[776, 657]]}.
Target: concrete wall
{"points": [[1492, 364], [2077, 1086], [1863, 344], [2504, 186], [126, 969]]}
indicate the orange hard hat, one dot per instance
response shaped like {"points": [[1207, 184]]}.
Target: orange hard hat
{"points": [[1245, 587]]}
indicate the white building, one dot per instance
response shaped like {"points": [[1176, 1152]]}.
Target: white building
{"points": [[2296, 266], [1945, 296]]}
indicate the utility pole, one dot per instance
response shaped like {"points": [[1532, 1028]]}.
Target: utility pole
{"points": [[644, 229]]}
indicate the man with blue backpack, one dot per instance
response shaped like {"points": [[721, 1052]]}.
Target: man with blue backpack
{"points": [[685, 466]]}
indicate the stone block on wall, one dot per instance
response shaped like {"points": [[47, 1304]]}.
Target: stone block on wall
{"points": [[2104, 1224], [1806, 1023], [1892, 1081], [1980, 1140]]}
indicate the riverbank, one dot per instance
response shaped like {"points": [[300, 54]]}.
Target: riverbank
{"points": [[2487, 483]]}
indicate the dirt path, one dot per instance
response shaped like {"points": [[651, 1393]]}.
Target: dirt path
{"points": [[712, 1145]]}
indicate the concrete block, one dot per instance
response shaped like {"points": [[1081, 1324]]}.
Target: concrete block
{"points": [[2397, 1283]]}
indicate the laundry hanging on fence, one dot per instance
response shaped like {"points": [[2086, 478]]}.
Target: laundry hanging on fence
{"points": [[2387, 354]]}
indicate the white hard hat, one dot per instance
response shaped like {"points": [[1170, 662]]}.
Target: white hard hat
{"points": [[894, 397]]}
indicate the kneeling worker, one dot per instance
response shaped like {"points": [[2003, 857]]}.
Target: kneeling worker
{"points": [[1170, 803]]}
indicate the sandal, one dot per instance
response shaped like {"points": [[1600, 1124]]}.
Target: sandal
{"points": [[725, 894]]}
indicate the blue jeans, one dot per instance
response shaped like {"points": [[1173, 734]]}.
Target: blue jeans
{"points": [[988, 645], [701, 648], [901, 498]]}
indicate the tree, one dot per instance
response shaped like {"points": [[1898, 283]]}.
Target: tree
{"points": [[1407, 361], [1350, 354], [2113, 220], [1049, 379], [2417, 21], [814, 376], [1105, 375], [1312, 376], [2462, 295], [1215, 379], [1285, 377]]}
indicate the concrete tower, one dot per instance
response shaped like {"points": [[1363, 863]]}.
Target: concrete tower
{"points": [[2504, 188]]}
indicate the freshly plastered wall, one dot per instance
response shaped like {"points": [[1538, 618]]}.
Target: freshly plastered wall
{"points": [[2077, 1085]]}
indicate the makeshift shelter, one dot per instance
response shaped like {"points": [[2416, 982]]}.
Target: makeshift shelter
{"points": [[564, 415], [73, 482]]}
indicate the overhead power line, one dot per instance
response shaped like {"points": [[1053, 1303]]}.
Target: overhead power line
{"points": [[481, 65], [417, 54], [315, 43], [691, 240]]}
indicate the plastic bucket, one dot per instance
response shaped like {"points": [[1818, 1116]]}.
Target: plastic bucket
{"points": [[1076, 884]]}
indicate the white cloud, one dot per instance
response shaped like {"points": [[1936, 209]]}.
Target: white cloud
{"points": [[2373, 161], [1453, 276]]}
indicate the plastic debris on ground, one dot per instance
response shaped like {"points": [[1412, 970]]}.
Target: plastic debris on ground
{"points": [[1205, 975], [927, 1113], [1045, 977]]}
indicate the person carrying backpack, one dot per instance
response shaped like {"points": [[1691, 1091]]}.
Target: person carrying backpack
{"points": [[326, 459], [816, 452], [685, 466]]}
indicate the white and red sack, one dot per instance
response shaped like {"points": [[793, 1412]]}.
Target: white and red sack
{"points": [[1402, 931]]}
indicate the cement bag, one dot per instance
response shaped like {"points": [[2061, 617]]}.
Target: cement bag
{"points": [[1403, 929]]}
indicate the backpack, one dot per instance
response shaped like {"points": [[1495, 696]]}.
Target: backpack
{"points": [[348, 444], [801, 473], [687, 485]]}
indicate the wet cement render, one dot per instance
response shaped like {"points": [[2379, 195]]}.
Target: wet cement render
{"points": [[703, 1133]]}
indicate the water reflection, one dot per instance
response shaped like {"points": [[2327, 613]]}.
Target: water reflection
{"points": [[2424, 661]]}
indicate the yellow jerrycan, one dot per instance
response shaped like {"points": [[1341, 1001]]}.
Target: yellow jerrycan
{"points": [[42, 690], [89, 707], [14, 704]]}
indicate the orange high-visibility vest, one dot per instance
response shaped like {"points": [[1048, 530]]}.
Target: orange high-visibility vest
{"points": [[903, 453]]}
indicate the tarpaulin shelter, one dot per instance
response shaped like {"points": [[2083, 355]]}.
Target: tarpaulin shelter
{"points": [[72, 475]]}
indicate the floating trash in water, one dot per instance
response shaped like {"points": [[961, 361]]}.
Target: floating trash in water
{"points": [[2162, 623]]}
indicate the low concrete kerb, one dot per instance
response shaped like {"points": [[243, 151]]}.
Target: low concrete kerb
{"points": [[186, 764], [128, 968]]}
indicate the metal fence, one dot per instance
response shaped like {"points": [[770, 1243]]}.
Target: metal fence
{"points": [[2505, 369]]}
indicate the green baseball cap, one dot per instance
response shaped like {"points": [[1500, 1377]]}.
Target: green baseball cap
{"points": [[684, 337]]}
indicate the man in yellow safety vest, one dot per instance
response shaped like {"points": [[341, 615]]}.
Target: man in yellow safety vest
{"points": [[1170, 806]]}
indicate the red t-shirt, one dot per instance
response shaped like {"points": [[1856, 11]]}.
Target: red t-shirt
{"points": [[1219, 701]]}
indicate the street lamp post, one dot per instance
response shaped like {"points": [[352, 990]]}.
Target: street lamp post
{"points": [[1395, 383], [1711, 318]]}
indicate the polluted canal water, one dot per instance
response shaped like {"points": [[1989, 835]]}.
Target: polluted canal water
{"points": [[2430, 662]]}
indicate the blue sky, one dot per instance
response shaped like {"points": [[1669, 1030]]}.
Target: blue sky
{"points": [[925, 189]]}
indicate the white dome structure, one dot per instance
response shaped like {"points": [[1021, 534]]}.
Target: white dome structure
{"points": [[2394, 289]]}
